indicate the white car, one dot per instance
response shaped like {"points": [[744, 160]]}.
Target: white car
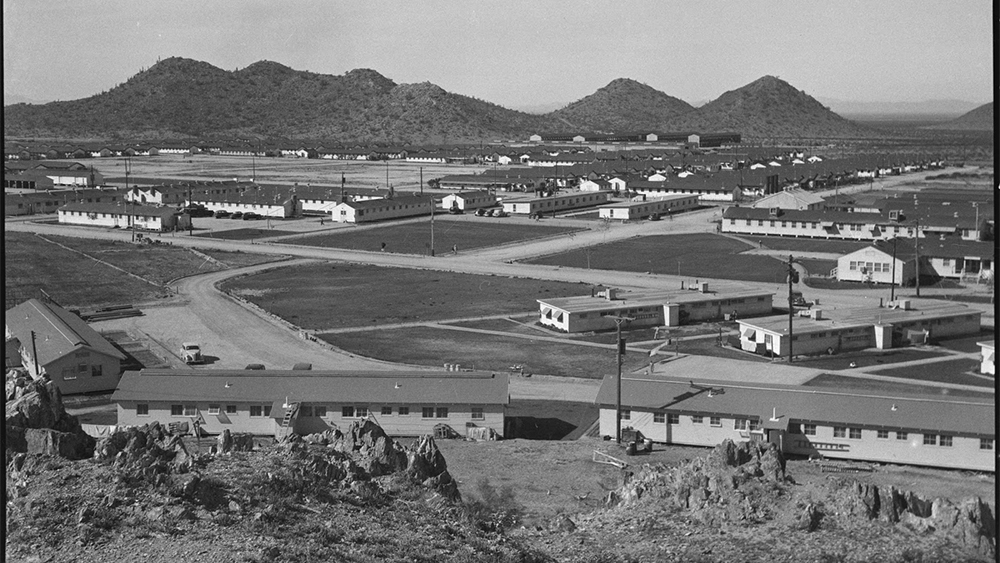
{"points": [[191, 353]]}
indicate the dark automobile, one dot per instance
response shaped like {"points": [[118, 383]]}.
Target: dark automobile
{"points": [[221, 214], [236, 215]]}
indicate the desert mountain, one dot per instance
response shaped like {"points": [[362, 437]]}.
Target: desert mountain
{"points": [[180, 97], [624, 105], [770, 107], [979, 119], [185, 98]]}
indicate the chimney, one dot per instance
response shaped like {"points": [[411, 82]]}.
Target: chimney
{"points": [[817, 314], [703, 287], [610, 294]]}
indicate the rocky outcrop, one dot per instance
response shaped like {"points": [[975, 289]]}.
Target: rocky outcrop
{"points": [[970, 523], [37, 423], [229, 442], [148, 452]]}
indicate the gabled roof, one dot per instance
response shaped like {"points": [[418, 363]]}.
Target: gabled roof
{"points": [[397, 200], [57, 331], [124, 209], [746, 396], [416, 387]]}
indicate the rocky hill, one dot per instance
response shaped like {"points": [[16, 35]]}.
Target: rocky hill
{"points": [[624, 105], [770, 108], [185, 98], [979, 119], [144, 494]]}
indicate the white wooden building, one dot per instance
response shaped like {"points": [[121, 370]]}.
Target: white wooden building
{"points": [[73, 355], [701, 401], [469, 200], [402, 403], [554, 204], [381, 209], [632, 210], [124, 216]]}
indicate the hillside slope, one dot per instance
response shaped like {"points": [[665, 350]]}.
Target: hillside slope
{"points": [[770, 107], [185, 98], [979, 119], [623, 106]]}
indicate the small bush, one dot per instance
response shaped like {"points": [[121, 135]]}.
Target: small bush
{"points": [[495, 510]]}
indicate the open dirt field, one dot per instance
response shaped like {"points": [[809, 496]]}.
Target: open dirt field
{"points": [[693, 255], [317, 172]]}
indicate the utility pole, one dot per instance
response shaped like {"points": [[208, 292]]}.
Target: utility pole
{"points": [[432, 225], [421, 180], [892, 287], [793, 277], [34, 353], [916, 256], [620, 345]]}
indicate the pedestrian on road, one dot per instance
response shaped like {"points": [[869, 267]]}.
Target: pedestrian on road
{"points": [[454, 248]]}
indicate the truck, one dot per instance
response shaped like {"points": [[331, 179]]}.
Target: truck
{"points": [[798, 300], [191, 353]]}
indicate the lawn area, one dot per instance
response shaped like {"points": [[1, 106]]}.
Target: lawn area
{"points": [[414, 237], [694, 255], [968, 343], [245, 234], [829, 380], [436, 347], [950, 371], [337, 295], [805, 245], [32, 263], [237, 259]]}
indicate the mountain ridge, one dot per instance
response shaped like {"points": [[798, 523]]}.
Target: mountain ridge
{"points": [[179, 97]]}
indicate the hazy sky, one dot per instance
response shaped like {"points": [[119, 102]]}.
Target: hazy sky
{"points": [[521, 53]]}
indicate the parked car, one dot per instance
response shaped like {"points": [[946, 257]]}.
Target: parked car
{"points": [[250, 215], [221, 214], [501, 213], [236, 215], [191, 353], [255, 366], [456, 211], [197, 211], [481, 212], [492, 212], [654, 217]]}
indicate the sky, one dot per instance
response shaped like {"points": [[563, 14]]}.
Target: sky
{"points": [[521, 53]]}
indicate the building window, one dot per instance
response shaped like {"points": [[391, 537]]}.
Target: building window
{"points": [[715, 421], [361, 412], [985, 444], [902, 436], [427, 412], [213, 409], [839, 432], [626, 414], [347, 412], [96, 370], [930, 439], [442, 412], [697, 419], [854, 433], [319, 411], [82, 368], [477, 413], [809, 429], [305, 410], [176, 410], [882, 435], [946, 441], [659, 417], [673, 418], [142, 409], [386, 411], [404, 411], [230, 409], [256, 411]]}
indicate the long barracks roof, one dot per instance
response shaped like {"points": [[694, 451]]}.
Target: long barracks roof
{"points": [[123, 209], [418, 387], [923, 309], [844, 406], [57, 331], [395, 201], [586, 303]]}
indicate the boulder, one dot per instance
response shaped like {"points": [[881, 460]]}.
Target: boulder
{"points": [[425, 460], [46, 441]]}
